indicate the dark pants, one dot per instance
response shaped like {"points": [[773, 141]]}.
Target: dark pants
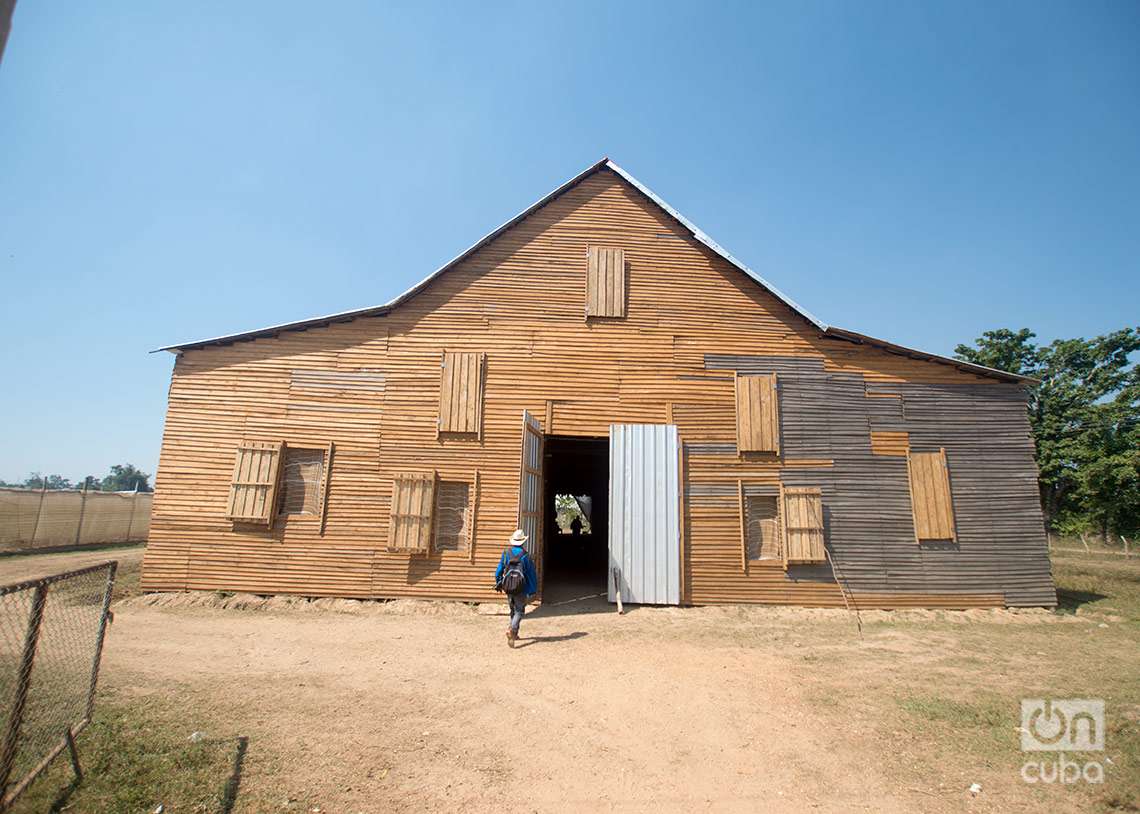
{"points": [[518, 607]]}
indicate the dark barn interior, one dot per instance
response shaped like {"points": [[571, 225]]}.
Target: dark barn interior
{"points": [[575, 554]]}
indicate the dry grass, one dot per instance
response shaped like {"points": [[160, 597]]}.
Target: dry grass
{"points": [[135, 757], [21, 567]]}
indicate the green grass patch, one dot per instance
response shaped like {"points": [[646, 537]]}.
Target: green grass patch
{"points": [[1105, 583], [136, 757], [983, 726]]}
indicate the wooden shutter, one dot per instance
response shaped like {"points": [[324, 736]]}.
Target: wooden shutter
{"points": [[253, 488], [803, 525], [461, 392], [930, 498], [605, 282], [413, 498], [757, 414]]}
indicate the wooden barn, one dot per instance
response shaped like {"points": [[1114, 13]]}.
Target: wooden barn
{"points": [[720, 443]]}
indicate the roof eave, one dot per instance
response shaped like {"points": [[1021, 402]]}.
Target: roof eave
{"points": [[273, 330], [380, 310], [902, 350]]}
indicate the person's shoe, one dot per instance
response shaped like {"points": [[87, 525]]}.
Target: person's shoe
{"points": [[511, 636]]}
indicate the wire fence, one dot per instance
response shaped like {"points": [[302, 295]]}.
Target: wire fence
{"points": [[37, 519], [51, 641]]}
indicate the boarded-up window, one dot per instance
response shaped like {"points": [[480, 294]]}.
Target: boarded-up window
{"points": [[452, 515], [413, 498], [757, 414], [763, 527], [302, 482], [253, 488], [930, 495], [461, 392], [605, 282], [803, 525]]}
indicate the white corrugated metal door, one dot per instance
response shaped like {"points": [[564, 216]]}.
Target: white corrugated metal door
{"points": [[645, 546]]}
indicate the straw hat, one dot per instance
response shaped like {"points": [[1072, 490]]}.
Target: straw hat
{"points": [[519, 537]]}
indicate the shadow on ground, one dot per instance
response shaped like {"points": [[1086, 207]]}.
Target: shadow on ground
{"points": [[1069, 601], [574, 598], [527, 641]]}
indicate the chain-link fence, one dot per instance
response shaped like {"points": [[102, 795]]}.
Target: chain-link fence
{"points": [[51, 640]]}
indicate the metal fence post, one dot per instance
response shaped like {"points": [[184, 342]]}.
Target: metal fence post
{"points": [[131, 519], [23, 680], [39, 511], [99, 638], [82, 508]]}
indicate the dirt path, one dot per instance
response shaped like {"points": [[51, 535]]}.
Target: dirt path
{"points": [[659, 710], [414, 706]]}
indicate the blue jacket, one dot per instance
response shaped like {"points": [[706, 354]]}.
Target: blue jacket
{"points": [[530, 588]]}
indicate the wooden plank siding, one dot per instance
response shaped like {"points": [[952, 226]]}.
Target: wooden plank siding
{"points": [[689, 319]]}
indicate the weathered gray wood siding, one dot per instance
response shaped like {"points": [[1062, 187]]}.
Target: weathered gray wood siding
{"points": [[1001, 546]]}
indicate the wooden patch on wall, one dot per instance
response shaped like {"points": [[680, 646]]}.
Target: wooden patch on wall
{"points": [[884, 442]]}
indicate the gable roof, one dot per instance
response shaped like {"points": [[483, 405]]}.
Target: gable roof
{"points": [[379, 310]]}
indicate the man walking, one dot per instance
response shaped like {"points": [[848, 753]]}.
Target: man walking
{"points": [[517, 578]]}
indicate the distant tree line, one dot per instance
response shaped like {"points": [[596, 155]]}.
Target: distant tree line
{"points": [[121, 478], [1085, 415]]}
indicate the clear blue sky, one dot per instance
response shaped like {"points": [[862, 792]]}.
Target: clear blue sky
{"points": [[171, 171]]}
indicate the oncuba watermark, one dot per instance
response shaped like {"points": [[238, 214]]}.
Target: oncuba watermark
{"points": [[1062, 725]]}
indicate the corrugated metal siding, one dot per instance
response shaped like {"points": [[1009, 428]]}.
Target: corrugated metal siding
{"points": [[1001, 546], [644, 529]]}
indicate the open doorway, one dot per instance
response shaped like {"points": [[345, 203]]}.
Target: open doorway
{"points": [[575, 554]]}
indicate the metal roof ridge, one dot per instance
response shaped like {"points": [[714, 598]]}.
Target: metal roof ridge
{"points": [[716, 247]]}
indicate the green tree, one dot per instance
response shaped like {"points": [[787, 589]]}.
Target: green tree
{"points": [[125, 478], [1003, 349], [36, 480], [1084, 413], [566, 508]]}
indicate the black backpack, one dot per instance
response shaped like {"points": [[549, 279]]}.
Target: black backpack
{"points": [[514, 580]]}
